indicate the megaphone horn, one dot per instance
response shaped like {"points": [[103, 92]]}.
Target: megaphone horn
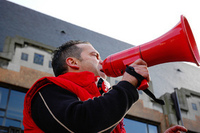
{"points": [[178, 44]]}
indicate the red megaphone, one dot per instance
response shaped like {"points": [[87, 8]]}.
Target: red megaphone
{"points": [[177, 44]]}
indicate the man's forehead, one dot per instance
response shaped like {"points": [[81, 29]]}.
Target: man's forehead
{"points": [[87, 46]]}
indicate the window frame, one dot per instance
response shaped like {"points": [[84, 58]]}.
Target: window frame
{"points": [[194, 106], [145, 121], [23, 54], [36, 61], [10, 88]]}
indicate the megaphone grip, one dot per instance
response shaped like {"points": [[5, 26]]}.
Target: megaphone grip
{"points": [[142, 82], [144, 85]]}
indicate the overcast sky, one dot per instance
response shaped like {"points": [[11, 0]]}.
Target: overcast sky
{"points": [[132, 21]]}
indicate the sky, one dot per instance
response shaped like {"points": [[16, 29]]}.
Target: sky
{"points": [[133, 21]]}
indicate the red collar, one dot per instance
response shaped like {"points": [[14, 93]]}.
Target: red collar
{"points": [[82, 79]]}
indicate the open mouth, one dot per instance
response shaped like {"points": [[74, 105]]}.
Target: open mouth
{"points": [[102, 70]]}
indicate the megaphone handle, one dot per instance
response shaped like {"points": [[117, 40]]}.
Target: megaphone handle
{"points": [[142, 82], [144, 85]]}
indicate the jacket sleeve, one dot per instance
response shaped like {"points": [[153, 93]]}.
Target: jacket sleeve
{"points": [[94, 115]]}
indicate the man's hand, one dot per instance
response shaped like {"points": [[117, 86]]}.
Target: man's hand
{"points": [[176, 129], [140, 67]]}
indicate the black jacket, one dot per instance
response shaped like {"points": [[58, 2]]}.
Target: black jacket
{"points": [[82, 117]]}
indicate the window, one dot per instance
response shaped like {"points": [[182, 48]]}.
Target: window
{"points": [[194, 106], [139, 127], [140, 92], [24, 56], [11, 107], [38, 59], [50, 66], [116, 81]]}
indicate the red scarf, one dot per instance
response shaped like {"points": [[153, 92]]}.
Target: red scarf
{"points": [[82, 84]]}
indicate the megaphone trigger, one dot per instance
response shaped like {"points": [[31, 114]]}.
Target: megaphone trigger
{"points": [[144, 85]]}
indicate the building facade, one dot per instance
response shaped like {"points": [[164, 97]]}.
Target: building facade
{"points": [[27, 40]]}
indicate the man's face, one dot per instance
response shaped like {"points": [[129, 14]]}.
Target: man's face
{"points": [[91, 60]]}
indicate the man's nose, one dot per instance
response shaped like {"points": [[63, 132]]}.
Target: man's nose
{"points": [[100, 61]]}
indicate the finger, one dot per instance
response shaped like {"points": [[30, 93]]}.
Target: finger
{"points": [[178, 128], [139, 62], [143, 71]]}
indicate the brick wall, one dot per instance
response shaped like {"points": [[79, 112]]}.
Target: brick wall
{"points": [[25, 78]]}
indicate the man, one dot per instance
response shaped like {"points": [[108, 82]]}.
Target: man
{"points": [[72, 102]]}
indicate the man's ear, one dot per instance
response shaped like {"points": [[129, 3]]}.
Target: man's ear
{"points": [[72, 62]]}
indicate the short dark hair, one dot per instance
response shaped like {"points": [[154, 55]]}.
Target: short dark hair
{"points": [[68, 49]]}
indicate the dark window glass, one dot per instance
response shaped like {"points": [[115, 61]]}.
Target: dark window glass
{"points": [[11, 107], [15, 105], [1, 121], [38, 59], [152, 128], [3, 131], [194, 106], [134, 126], [50, 66], [2, 112], [140, 92], [139, 127], [24, 56], [14, 123], [3, 97]]}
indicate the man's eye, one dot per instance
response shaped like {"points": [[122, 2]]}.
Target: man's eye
{"points": [[97, 56]]}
